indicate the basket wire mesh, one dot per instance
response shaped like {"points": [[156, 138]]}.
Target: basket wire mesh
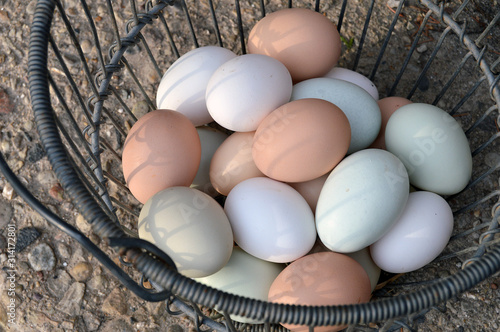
{"points": [[82, 95]]}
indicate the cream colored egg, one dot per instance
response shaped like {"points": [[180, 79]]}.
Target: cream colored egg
{"points": [[190, 227], [210, 140], [244, 275]]}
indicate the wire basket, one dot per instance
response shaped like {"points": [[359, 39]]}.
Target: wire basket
{"points": [[93, 69]]}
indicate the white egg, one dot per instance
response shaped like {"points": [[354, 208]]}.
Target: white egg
{"points": [[270, 220], [355, 78], [361, 199], [244, 275], [361, 109], [182, 87], [418, 237], [245, 89]]}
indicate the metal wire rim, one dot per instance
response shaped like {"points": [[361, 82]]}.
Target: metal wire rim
{"points": [[157, 269]]}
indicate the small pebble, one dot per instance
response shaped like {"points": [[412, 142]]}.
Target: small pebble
{"points": [[494, 286], [124, 94], [25, 237], [19, 289], [8, 192], [6, 105], [46, 178], [115, 303], [492, 159], [59, 283], [102, 10], [86, 46], [140, 108], [5, 213], [24, 267], [98, 283], [393, 3], [35, 153], [5, 147], [4, 16], [68, 91], [82, 224], [117, 324], [422, 48], [63, 250], [67, 325], [91, 322], [30, 8], [81, 271], [71, 11], [71, 303], [42, 258], [56, 192]]}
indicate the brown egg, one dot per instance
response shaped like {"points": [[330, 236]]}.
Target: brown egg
{"points": [[324, 278], [310, 190], [301, 140], [305, 41], [232, 162], [387, 106], [162, 150]]}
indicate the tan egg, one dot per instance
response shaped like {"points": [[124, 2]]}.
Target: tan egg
{"points": [[310, 189], [232, 162], [162, 150], [305, 41], [387, 106], [324, 278], [301, 140]]}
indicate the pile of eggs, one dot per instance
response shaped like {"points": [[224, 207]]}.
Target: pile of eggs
{"points": [[316, 172]]}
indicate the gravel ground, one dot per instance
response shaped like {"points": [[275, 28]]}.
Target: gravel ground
{"points": [[59, 286]]}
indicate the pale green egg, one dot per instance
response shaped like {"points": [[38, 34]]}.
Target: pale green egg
{"points": [[244, 275], [432, 146]]}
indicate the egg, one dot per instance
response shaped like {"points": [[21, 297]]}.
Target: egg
{"points": [[355, 78], [162, 150], [324, 278], [244, 90], [210, 139], [182, 87], [244, 275], [432, 146], [301, 140], [310, 190], [270, 220], [387, 106], [418, 236], [190, 227], [362, 256], [360, 108], [307, 42], [361, 200], [233, 163]]}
